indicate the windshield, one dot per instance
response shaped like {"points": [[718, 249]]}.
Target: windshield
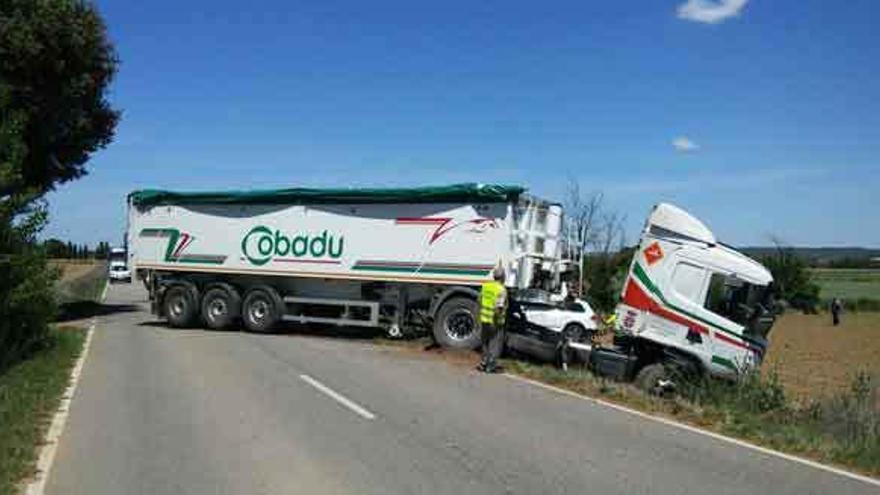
{"points": [[741, 302]]}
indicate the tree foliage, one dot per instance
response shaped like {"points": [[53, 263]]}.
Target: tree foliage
{"points": [[791, 279], [55, 67], [595, 234], [57, 249], [604, 275]]}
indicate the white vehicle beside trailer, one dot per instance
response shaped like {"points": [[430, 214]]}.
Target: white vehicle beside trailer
{"points": [[364, 257]]}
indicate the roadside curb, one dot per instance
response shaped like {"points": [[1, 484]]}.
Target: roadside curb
{"points": [[50, 442], [693, 429]]}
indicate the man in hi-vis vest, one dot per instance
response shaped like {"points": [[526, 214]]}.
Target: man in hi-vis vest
{"points": [[493, 309]]}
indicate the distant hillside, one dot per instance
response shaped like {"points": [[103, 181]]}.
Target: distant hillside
{"points": [[824, 256]]}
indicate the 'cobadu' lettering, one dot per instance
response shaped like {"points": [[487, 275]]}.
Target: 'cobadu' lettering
{"points": [[262, 244]]}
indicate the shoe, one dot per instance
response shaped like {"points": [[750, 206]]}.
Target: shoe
{"points": [[494, 369]]}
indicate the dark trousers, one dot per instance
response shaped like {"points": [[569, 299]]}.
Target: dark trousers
{"points": [[835, 318], [492, 338]]}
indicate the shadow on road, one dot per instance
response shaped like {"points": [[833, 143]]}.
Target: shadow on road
{"points": [[86, 309], [292, 329], [329, 331]]}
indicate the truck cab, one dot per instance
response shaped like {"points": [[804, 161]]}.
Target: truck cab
{"points": [[118, 270], [692, 300]]}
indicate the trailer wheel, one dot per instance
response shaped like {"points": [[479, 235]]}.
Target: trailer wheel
{"points": [[179, 305], [221, 305], [456, 324], [261, 309]]}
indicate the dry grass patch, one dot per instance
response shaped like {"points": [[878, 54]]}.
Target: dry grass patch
{"points": [[815, 359]]}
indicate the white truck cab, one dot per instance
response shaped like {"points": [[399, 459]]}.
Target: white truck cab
{"points": [[118, 270], [692, 301]]}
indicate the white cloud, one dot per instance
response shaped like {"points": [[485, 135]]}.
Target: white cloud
{"points": [[710, 11], [684, 144]]}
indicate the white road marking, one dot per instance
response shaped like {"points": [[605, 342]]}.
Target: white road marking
{"points": [[693, 429], [338, 397], [56, 428]]}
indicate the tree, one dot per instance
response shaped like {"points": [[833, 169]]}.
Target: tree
{"points": [[791, 278], [55, 66], [55, 248], [102, 251], [597, 237], [582, 211]]}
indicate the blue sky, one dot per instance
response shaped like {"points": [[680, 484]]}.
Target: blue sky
{"points": [[780, 101]]}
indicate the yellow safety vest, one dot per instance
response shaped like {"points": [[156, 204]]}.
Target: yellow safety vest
{"points": [[489, 293]]}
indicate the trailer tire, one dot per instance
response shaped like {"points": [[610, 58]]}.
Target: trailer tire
{"points": [[180, 306], [261, 309], [456, 324], [221, 306]]}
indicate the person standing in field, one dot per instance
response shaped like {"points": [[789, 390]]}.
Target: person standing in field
{"points": [[836, 309], [493, 309]]}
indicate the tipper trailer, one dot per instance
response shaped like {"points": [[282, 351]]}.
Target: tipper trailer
{"points": [[362, 257]]}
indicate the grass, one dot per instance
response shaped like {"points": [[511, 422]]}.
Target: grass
{"points": [[30, 392], [847, 283], [80, 282]]}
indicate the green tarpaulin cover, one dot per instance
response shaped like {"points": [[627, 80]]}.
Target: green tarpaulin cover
{"points": [[455, 193]]}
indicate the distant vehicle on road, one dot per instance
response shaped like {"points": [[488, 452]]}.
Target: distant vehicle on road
{"points": [[119, 273], [118, 270]]}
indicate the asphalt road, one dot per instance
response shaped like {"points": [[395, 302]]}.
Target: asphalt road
{"points": [[163, 411]]}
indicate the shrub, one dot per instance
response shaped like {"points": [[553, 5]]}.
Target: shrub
{"points": [[27, 302], [853, 417], [791, 280], [862, 304]]}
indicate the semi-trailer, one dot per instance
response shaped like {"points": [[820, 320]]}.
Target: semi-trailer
{"points": [[386, 258], [403, 258]]}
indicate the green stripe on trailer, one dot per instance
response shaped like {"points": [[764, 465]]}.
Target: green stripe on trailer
{"points": [[417, 269]]}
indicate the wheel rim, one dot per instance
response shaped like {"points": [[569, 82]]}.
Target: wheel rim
{"points": [[177, 307], [258, 311], [217, 308], [460, 324], [572, 333]]}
